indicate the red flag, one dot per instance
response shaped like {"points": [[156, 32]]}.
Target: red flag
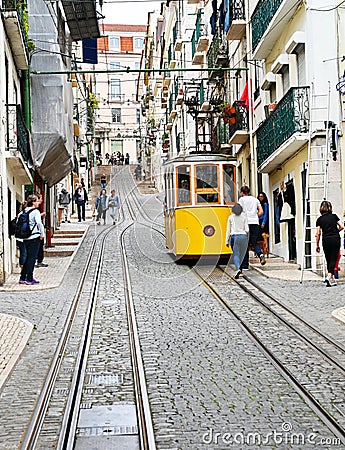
{"points": [[245, 96]]}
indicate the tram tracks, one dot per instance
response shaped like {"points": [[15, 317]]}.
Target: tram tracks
{"points": [[293, 353], [82, 312], [38, 416], [328, 363]]}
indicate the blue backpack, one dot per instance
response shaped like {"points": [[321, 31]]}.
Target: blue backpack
{"points": [[23, 230]]}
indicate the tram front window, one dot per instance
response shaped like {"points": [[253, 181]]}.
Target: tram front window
{"points": [[207, 185], [206, 177]]}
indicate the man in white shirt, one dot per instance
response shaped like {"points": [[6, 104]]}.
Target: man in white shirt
{"points": [[252, 207]]}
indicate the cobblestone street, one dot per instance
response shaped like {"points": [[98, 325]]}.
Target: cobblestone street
{"points": [[207, 382]]}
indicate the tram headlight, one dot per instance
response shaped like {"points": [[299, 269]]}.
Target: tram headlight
{"points": [[209, 230]]}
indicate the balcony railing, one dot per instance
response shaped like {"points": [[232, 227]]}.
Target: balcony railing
{"points": [[291, 115], [241, 119], [17, 135], [217, 55], [261, 18], [236, 12], [196, 33], [18, 7], [171, 53]]}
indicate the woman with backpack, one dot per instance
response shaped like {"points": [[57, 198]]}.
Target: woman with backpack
{"points": [[32, 232]]}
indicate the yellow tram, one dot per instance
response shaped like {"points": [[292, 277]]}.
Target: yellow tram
{"points": [[199, 191]]}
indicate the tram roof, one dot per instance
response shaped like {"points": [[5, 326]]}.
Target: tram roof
{"points": [[200, 157]]}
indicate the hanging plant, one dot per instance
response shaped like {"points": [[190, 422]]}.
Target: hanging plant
{"points": [[228, 113], [92, 101]]}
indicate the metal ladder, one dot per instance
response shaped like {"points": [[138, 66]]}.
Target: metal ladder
{"points": [[316, 183]]}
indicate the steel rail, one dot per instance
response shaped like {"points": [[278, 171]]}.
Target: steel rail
{"points": [[317, 347], [69, 424], [37, 418], [143, 405], [145, 422], [321, 412]]}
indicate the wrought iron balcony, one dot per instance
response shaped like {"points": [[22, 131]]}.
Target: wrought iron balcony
{"points": [[16, 24], [196, 33], [239, 130], [261, 18], [235, 20], [290, 116], [217, 55], [273, 15], [234, 129], [171, 56], [17, 136]]}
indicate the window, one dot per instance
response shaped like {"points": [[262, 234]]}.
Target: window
{"points": [[284, 72], [114, 42], [116, 115], [138, 42], [273, 92], [137, 65], [300, 53], [115, 90], [137, 114], [207, 186], [229, 183], [183, 185], [114, 65], [117, 145]]}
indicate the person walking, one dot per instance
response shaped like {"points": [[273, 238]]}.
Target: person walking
{"points": [[237, 236], [80, 198], [252, 207], [329, 225], [64, 201], [40, 254], [113, 205], [263, 222], [101, 206], [103, 181], [32, 243]]}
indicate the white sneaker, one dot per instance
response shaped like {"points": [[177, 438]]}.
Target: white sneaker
{"points": [[328, 281]]}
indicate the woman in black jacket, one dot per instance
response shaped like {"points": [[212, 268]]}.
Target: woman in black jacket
{"points": [[329, 225]]}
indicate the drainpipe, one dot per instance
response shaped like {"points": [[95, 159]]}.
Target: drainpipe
{"points": [[253, 180]]}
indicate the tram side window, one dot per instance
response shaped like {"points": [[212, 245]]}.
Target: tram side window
{"points": [[229, 183], [171, 190], [207, 186], [165, 201], [183, 180]]}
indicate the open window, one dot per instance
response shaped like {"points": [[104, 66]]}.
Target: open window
{"points": [[183, 185], [207, 183]]}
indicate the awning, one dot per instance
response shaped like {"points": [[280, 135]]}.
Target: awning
{"points": [[57, 162], [81, 16]]}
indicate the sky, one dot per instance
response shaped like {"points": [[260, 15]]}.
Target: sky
{"points": [[132, 12]]}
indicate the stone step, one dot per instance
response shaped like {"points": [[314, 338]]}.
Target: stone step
{"points": [[69, 232], [67, 241], [60, 251]]}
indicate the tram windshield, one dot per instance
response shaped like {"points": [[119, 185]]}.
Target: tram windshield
{"points": [[207, 183], [229, 183], [183, 185]]}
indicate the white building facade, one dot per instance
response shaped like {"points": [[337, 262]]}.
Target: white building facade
{"points": [[118, 125]]}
